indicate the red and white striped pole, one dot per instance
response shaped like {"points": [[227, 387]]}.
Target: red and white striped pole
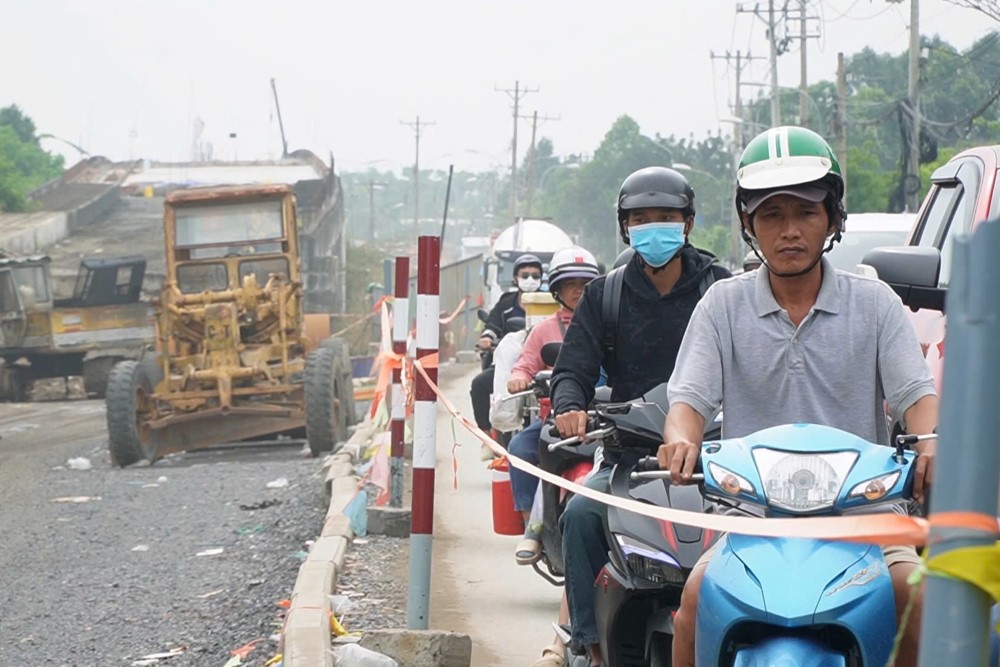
{"points": [[424, 433], [400, 320]]}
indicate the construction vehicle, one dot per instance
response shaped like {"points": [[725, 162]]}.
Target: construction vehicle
{"points": [[55, 348], [232, 358]]}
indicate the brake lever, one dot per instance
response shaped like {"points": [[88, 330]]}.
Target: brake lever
{"points": [[599, 434], [661, 474]]}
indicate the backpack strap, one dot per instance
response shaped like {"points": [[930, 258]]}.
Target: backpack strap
{"points": [[610, 308], [706, 280]]}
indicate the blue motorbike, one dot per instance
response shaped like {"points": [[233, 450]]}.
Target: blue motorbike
{"points": [[799, 602]]}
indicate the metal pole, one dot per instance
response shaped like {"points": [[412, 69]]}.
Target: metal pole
{"points": [[842, 119], [913, 98], [424, 434], [955, 629], [771, 40], [400, 321], [803, 78], [513, 155]]}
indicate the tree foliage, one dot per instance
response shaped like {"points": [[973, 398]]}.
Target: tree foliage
{"points": [[24, 165]]}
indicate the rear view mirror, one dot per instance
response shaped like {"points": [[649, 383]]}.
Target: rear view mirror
{"points": [[550, 352], [483, 316], [912, 272]]}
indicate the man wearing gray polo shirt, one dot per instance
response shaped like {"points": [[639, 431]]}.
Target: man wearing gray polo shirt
{"points": [[797, 341]]}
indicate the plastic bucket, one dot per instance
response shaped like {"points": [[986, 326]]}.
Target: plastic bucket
{"points": [[506, 520]]}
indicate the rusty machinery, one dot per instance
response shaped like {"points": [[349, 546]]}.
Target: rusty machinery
{"points": [[232, 358]]}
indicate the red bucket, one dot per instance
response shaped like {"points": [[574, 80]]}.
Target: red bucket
{"points": [[506, 520]]}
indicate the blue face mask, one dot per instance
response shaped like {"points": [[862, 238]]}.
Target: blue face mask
{"points": [[657, 242]]}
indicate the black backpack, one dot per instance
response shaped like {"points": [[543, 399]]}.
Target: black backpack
{"points": [[612, 302]]}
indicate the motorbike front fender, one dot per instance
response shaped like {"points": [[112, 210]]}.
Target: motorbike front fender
{"points": [[797, 651]]}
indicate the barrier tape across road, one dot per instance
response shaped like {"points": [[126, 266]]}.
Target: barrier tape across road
{"points": [[882, 529]]}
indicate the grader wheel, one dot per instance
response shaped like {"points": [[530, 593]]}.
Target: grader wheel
{"points": [[339, 346], [128, 405], [326, 417]]}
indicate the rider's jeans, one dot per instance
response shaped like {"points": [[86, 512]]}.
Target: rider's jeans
{"points": [[524, 445], [585, 552]]}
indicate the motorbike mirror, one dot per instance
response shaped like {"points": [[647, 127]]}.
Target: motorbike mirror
{"points": [[483, 315], [550, 352], [515, 324]]}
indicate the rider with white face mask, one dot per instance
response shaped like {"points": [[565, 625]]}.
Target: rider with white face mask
{"points": [[527, 278]]}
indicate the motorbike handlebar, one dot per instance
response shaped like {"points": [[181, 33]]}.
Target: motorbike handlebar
{"points": [[647, 463], [598, 434], [661, 474]]}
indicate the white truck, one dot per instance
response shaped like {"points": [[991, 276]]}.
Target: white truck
{"points": [[526, 236]]}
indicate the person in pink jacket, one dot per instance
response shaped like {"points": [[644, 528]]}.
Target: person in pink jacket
{"points": [[569, 272]]}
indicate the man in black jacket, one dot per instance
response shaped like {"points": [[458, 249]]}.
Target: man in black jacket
{"points": [[659, 288]]}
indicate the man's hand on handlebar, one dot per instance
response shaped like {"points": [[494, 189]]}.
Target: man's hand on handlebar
{"points": [[485, 343], [680, 458], [515, 385], [572, 423]]}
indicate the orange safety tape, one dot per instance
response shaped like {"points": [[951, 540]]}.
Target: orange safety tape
{"points": [[454, 314], [882, 529]]}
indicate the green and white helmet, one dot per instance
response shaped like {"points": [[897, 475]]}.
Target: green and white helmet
{"points": [[785, 157]]}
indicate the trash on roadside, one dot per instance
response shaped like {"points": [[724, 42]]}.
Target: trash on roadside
{"points": [[75, 499], [359, 541], [243, 651], [259, 528], [284, 604], [263, 504], [255, 582], [211, 552], [301, 555], [150, 485], [161, 479], [355, 655], [154, 658], [279, 483], [141, 547], [357, 512], [210, 594], [340, 604], [336, 627], [234, 661], [79, 463], [274, 662]]}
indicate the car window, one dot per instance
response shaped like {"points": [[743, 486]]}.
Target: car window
{"points": [[855, 244], [946, 196], [961, 219]]}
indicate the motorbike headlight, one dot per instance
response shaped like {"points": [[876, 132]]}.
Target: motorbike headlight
{"points": [[729, 481], [802, 482], [875, 488], [650, 564]]}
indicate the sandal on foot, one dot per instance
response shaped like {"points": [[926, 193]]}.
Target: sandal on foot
{"points": [[550, 658], [528, 551]]}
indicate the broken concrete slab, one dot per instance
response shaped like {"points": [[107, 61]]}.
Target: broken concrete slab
{"points": [[421, 648]]}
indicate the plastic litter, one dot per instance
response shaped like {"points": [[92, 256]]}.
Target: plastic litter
{"points": [[75, 499], [211, 552], [279, 483], [141, 547], [340, 604], [154, 658], [161, 479], [357, 511], [355, 655], [79, 463]]}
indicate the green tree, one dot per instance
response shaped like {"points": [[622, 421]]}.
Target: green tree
{"points": [[23, 163]]}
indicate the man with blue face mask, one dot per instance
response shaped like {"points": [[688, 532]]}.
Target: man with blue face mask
{"points": [[659, 288]]}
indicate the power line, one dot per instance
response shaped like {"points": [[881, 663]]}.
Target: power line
{"points": [[515, 94]]}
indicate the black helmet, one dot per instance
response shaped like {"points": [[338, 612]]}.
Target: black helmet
{"points": [[526, 260], [653, 187]]}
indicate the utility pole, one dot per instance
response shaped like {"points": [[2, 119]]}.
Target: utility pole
{"points": [[372, 185], [516, 94], [911, 184], [281, 125], [841, 125], [803, 38], [742, 60], [532, 163], [775, 49], [416, 126]]}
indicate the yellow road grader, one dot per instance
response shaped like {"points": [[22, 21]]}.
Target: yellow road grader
{"points": [[233, 360]]}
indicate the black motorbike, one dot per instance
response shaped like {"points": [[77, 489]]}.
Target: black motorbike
{"points": [[649, 561]]}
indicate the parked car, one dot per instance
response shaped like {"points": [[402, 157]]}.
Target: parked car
{"points": [[866, 231], [963, 194]]}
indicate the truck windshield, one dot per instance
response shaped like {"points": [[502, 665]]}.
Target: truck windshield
{"points": [[32, 284], [195, 278], [262, 269], [221, 224]]}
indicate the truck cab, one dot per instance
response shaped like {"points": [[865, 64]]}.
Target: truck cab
{"points": [[963, 194]]}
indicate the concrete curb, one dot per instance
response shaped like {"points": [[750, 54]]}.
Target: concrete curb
{"points": [[306, 638]]}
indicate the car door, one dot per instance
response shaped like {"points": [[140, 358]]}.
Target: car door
{"points": [[954, 203], [13, 320]]}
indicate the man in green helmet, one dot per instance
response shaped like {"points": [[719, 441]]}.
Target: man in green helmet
{"points": [[797, 341]]}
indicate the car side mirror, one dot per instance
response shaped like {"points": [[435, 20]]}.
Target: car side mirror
{"points": [[912, 272]]}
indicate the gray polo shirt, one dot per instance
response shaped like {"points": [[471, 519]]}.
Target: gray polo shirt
{"points": [[855, 347]]}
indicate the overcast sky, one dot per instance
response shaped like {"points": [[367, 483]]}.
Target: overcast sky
{"points": [[129, 79]]}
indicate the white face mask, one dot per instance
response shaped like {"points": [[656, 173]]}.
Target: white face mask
{"points": [[529, 284]]}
